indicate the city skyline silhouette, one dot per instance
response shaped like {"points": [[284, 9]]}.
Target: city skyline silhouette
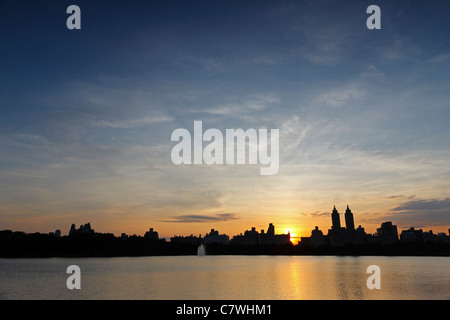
{"points": [[338, 240], [335, 227]]}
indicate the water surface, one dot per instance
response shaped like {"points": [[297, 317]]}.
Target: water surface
{"points": [[227, 277]]}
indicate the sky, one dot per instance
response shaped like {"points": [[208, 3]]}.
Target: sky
{"points": [[86, 116]]}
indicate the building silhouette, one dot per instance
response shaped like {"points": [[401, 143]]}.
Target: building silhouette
{"points": [[387, 233], [252, 237], [361, 235], [188, 240], [249, 238], [349, 222], [336, 233], [215, 237], [418, 236], [83, 229], [317, 238], [340, 236], [56, 234], [335, 219], [152, 235]]}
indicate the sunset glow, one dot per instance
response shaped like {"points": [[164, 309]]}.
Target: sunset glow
{"points": [[88, 117]]}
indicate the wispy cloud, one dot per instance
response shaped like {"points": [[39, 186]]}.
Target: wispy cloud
{"points": [[340, 96], [399, 196], [292, 132], [319, 43], [131, 123], [440, 58], [316, 214], [202, 218], [243, 107]]}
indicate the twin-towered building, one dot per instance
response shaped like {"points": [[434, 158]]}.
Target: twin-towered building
{"points": [[341, 236], [336, 220]]}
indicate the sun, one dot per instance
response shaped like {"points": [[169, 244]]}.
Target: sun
{"points": [[294, 238], [294, 235]]}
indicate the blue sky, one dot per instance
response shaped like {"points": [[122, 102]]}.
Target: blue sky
{"points": [[87, 115]]}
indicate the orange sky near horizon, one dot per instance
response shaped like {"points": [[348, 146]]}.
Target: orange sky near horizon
{"points": [[298, 227]]}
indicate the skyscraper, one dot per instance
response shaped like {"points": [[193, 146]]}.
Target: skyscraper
{"points": [[150, 234], [271, 230], [387, 233], [335, 219], [349, 222], [317, 238]]}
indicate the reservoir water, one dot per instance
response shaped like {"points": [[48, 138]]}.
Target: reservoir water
{"points": [[227, 277]]}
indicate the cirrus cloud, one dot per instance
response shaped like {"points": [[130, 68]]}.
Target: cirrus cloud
{"points": [[132, 123], [202, 218]]}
